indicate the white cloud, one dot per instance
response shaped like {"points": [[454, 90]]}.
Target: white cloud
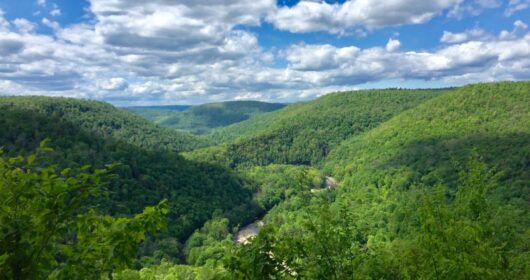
{"points": [[449, 37], [318, 57], [43, 64], [468, 35], [519, 25], [146, 88], [477, 60], [115, 83], [310, 16], [135, 52], [41, 3], [472, 7], [393, 45], [516, 6], [172, 25], [4, 24], [55, 12], [519, 28], [24, 25], [51, 24]]}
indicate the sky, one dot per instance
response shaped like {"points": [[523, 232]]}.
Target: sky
{"points": [[160, 52]]}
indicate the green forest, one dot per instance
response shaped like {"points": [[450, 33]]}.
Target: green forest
{"points": [[368, 184], [201, 119]]}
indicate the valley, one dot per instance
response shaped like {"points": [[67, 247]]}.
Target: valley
{"points": [[265, 140], [378, 184]]}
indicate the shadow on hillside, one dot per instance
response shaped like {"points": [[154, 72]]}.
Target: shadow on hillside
{"points": [[436, 159], [195, 190]]}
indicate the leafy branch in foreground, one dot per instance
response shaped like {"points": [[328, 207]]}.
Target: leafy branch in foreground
{"points": [[47, 231]]}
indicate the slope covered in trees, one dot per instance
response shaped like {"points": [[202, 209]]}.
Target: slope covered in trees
{"points": [[305, 133], [202, 118], [144, 176], [419, 145], [107, 121], [437, 192], [433, 184]]}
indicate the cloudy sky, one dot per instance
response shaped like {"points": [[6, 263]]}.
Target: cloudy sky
{"points": [[134, 52]]}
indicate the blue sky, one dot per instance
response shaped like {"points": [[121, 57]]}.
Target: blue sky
{"points": [[133, 52]]}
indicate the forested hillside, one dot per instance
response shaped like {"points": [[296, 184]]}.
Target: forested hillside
{"points": [[86, 133], [305, 133], [421, 145], [425, 184], [144, 176], [202, 118], [440, 191], [106, 121]]}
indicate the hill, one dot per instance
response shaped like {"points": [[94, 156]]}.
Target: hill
{"points": [[430, 184], [156, 113], [88, 133], [202, 118], [305, 133], [108, 122], [95, 134], [439, 191], [419, 145]]}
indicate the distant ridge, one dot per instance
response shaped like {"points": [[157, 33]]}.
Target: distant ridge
{"points": [[159, 107], [200, 119]]}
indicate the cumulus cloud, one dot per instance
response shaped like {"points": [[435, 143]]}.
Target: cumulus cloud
{"points": [[318, 57], [494, 59], [174, 25], [353, 16], [519, 28], [51, 24], [393, 45], [310, 16], [24, 25], [468, 35], [44, 64], [192, 51], [115, 83]]}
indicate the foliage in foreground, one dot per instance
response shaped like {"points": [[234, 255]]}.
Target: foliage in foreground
{"points": [[167, 270], [47, 230], [144, 177], [402, 210], [427, 232]]}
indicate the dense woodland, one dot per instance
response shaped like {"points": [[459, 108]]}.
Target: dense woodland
{"points": [[144, 176], [303, 134], [432, 184], [107, 122]]}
